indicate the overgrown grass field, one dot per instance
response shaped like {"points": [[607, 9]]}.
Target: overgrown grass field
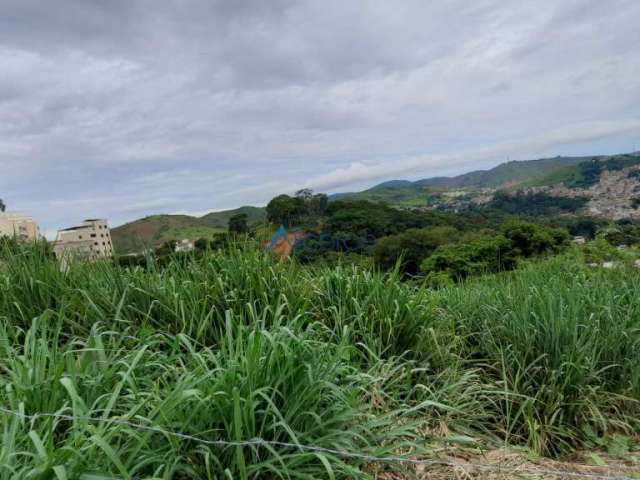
{"points": [[236, 346]]}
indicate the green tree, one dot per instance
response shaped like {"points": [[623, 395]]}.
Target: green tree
{"points": [[495, 253], [359, 217], [528, 239], [377, 219], [3, 207], [312, 205], [239, 223], [305, 194], [600, 250], [461, 260], [412, 246], [284, 209]]}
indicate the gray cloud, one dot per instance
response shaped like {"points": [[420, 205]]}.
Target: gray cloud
{"points": [[126, 108]]}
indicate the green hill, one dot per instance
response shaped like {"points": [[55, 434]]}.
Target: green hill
{"points": [[152, 231], [514, 172], [509, 173], [573, 171], [221, 219]]}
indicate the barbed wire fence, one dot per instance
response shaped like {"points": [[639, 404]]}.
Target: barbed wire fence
{"points": [[387, 459]]}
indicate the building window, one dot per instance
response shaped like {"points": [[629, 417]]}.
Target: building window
{"points": [[96, 243], [93, 235]]}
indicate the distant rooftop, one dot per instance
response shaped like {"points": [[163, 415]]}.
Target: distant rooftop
{"points": [[73, 228], [14, 215], [81, 227]]}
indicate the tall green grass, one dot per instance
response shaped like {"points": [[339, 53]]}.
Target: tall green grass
{"points": [[276, 386], [563, 343], [236, 346]]}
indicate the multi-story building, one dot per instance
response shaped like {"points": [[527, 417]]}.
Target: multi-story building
{"points": [[89, 241], [19, 226]]}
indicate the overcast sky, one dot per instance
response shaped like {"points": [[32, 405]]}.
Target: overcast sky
{"points": [[124, 108]]}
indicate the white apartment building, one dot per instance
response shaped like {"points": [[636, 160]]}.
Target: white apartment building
{"points": [[19, 226], [88, 241]]}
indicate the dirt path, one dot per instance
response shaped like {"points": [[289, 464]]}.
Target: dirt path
{"points": [[502, 464]]}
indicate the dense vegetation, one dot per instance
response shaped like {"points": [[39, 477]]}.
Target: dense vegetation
{"points": [[460, 244], [435, 244], [412, 246], [535, 204], [494, 253], [622, 232], [304, 207], [232, 345], [459, 254]]}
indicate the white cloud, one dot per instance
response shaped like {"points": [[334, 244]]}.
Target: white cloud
{"points": [[201, 105], [358, 172]]}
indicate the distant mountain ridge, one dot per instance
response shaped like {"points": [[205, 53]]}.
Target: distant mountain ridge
{"points": [[510, 175], [513, 171]]}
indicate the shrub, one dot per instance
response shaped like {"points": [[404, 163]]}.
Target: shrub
{"points": [[462, 260], [599, 251], [411, 247], [239, 223], [528, 239], [493, 254]]}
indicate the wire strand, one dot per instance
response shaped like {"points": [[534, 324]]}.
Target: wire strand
{"points": [[311, 448]]}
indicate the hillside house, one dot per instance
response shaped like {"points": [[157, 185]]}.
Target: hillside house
{"points": [[184, 245], [283, 243], [88, 241], [20, 226]]}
